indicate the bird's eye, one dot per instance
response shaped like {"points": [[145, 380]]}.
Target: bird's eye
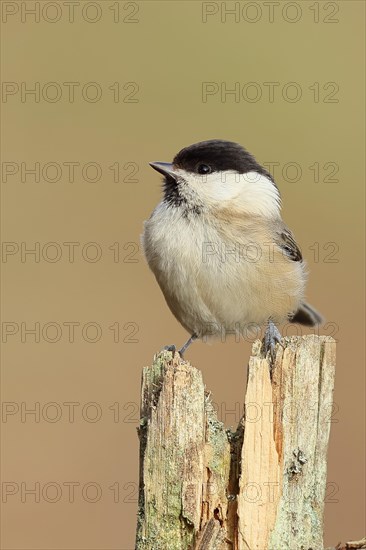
{"points": [[204, 169]]}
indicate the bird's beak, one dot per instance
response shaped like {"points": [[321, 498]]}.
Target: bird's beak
{"points": [[164, 168]]}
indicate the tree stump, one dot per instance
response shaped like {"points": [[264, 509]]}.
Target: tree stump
{"points": [[203, 487]]}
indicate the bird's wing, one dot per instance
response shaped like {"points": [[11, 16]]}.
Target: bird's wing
{"points": [[286, 241]]}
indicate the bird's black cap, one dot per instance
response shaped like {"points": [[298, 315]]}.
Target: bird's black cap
{"points": [[220, 155]]}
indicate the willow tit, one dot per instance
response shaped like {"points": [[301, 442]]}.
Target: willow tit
{"points": [[224, 259]]}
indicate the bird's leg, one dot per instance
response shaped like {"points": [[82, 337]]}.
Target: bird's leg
{"points": [[187, 344], [272, 336]]}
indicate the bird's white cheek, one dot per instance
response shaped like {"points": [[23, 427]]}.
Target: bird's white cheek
{"points": [[218, 186], [251, 193]]}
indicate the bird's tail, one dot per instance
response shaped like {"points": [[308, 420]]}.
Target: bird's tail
{"points": [[307, 315]]}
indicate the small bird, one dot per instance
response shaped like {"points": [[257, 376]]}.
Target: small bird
{"points": [[224, 259]]}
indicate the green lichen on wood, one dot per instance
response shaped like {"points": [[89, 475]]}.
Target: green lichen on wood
{"points": [[171, 396], [217, 438]]}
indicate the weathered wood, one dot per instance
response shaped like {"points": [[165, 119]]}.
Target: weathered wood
{"points": [[283, 480], [261, 488], [184, 461]]}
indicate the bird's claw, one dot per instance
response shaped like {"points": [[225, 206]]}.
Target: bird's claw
{"points": [[171, 348], [174, 350]]}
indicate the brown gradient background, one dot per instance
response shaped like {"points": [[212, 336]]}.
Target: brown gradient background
{"points": [[169, 53]]}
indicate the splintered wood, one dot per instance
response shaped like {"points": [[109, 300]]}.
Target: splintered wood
{"points": [[203, 487]]}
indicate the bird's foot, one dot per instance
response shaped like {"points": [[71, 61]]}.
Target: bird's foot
{"points": [[272, 336], [185, 346], [172, 348]]}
